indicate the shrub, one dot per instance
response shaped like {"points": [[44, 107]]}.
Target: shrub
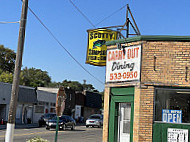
{"points": [[37, 139]]}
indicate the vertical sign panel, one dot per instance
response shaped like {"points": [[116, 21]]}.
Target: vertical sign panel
{"points": [[177, 135], [60, 101], [172, 116], [124, 64], [96, 50]]}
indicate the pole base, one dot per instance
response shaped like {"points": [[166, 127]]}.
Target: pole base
{"points": [[9, 132]]}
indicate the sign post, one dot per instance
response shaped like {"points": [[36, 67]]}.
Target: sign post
{"points": [[60, 106], [18, 64]]}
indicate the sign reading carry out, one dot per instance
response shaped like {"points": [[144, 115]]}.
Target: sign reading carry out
{"points": [[96, 50], [124, 64], [60, 101]]}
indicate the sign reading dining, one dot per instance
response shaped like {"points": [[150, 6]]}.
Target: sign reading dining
{"points": [[96, 50], [124, 64]]}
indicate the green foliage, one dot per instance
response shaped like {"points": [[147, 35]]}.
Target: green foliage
{"points": [[37, 139], [75, 85], [7, 59], [34, 77], [6, 77], [88, 87], [54, 84]]}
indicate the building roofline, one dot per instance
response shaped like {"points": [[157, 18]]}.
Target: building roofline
{"points": [[20, 86], [150, 38]]}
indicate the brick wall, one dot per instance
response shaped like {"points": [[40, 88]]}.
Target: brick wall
{"points": [[106, 114], [164, 63], [146, 114], [169, 59]]}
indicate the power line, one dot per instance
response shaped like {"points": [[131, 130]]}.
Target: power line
{"points": [[82, 13], [3, 22], [54, 37], [111, 14]]}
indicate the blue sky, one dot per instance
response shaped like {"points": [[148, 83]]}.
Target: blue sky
{"points": [[163, 17]]}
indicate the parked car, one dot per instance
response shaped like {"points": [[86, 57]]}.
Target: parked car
{"points": [[44, 118], [65, 121], [95, 120]]}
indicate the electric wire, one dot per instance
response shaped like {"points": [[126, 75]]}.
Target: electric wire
{"points": [[111, 14], [56, 39], [3, 22], [82, 14]]}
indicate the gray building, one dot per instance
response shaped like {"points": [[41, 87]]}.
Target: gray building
{"points": [[27, 97], [46, 98]]}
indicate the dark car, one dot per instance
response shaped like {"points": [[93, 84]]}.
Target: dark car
{"points": [[65, 121], [44, 118]]}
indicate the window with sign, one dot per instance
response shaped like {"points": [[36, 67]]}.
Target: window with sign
{"points": [[172, 105]]}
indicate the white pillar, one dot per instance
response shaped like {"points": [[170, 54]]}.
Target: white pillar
{"points": [[10, 132]]}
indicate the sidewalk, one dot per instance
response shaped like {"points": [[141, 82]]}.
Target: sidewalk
{"points": [[22, 126], [29, 126]]}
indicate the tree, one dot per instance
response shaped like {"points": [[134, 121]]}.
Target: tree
{"points": [[7, 59], [6, 77], [88, 87], [75, 85], [34, 77]]}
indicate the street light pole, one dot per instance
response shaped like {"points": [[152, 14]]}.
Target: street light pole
{"points": [[16, 78]]}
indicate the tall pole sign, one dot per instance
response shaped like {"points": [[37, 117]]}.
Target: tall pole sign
{"points": [[60, 101], [16, 78], [60, 106]]}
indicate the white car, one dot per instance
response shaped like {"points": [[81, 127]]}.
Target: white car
{"points": [[95, 120]]}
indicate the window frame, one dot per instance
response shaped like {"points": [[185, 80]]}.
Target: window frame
{"points": [[180, 89]]}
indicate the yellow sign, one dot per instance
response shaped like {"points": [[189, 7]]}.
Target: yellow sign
{"points": [[96, 50]]}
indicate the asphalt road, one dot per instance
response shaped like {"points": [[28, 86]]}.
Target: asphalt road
{"points": [[80, 134]]}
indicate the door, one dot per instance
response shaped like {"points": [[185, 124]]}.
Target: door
{"points": [[121, 115], [124, 121]]}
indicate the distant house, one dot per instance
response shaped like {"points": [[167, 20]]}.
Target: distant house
{"points": [[46, 101], [82, 104], [27, 97], [74, 103], [33, 103], [93, 103]]}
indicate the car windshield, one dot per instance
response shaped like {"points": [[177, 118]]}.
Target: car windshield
{"points": [[49, 115], [94, 117], [54, 118]]}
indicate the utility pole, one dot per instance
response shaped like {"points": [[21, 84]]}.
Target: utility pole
{"points": [[16, 78]]}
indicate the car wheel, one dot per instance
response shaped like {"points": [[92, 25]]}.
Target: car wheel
{"points": [[87, 126], [73, 127], [47, 128]]}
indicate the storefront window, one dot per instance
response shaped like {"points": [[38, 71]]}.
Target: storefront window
{"points": [[172, 105]]}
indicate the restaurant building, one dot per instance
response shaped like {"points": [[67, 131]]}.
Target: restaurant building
{"points": [[147, 90]]}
